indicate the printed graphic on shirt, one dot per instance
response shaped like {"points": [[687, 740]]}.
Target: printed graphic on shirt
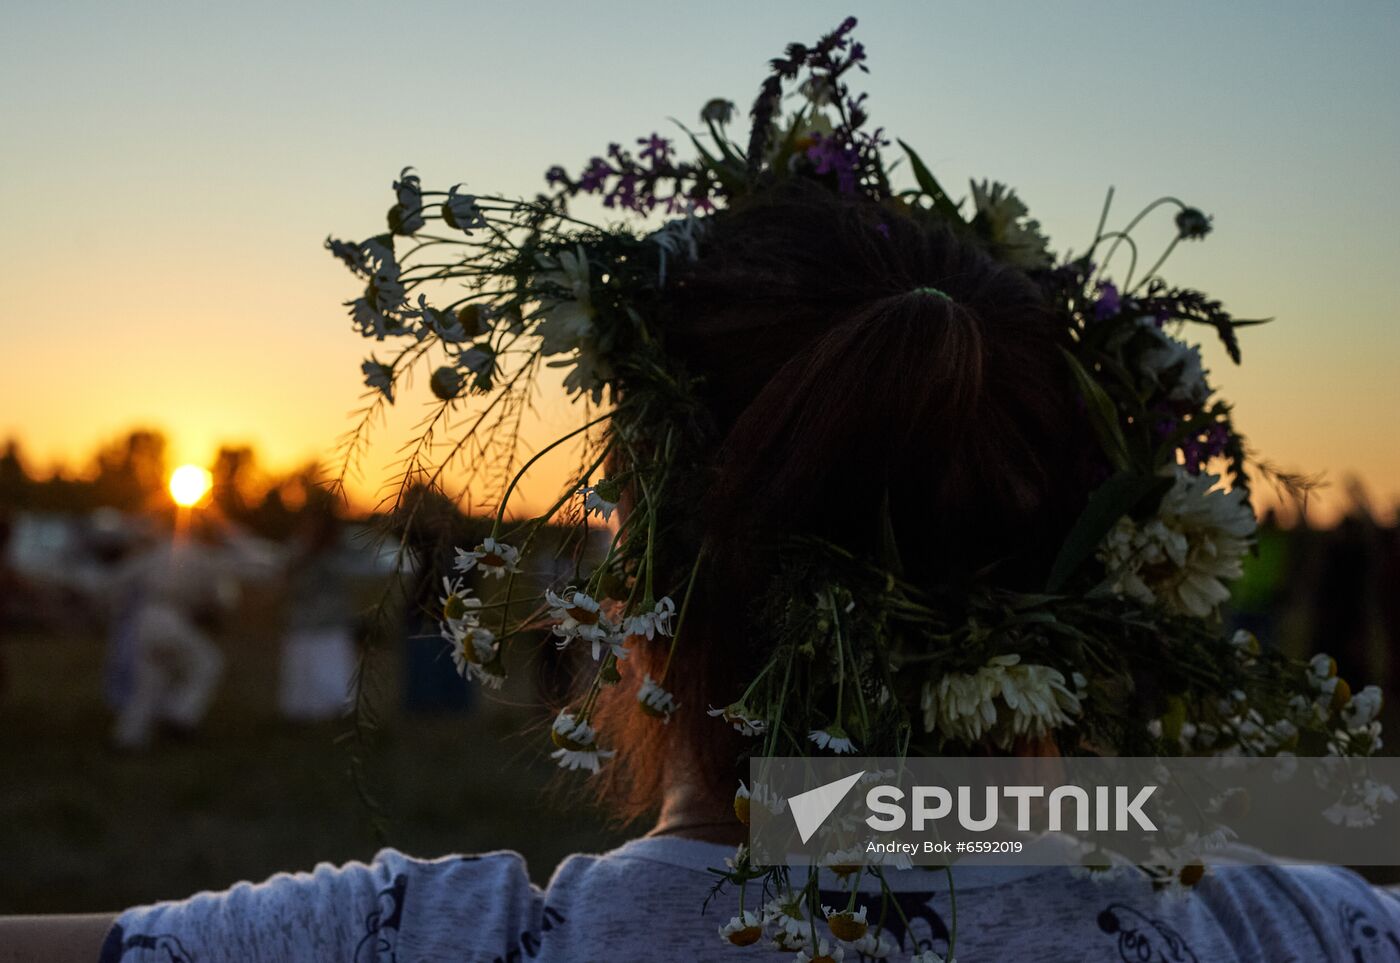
{"points": [[382, 924], [1367, 941], [1142, 939], [527, 945], [143, 948]]}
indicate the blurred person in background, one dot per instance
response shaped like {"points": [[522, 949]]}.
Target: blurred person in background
{"points": [[318, 648], [166, 599]]}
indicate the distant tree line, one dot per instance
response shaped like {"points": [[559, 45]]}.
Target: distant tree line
{"points": [[130, 473]]}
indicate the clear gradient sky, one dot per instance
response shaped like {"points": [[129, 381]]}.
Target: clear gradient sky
{"points": [[170, 170]]}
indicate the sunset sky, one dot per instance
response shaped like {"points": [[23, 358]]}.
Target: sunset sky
{"points": [[170, 171]]}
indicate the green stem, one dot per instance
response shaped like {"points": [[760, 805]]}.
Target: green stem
{"points": [[505, 499], [680, 618], [952, 912], [1160, 261]]}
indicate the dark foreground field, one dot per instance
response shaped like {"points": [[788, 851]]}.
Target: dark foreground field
{"points": [[83, 828]]}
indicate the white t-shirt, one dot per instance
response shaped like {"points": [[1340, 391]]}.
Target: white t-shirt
{"points": [[643, 902]]}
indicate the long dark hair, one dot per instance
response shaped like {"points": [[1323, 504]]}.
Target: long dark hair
{"points": [[866, 374]]}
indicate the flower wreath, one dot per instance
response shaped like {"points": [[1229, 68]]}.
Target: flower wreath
{"points": [[883, 667]]}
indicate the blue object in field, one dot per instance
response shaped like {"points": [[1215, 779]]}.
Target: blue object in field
{"points": [[119, 671], [431, 682]]}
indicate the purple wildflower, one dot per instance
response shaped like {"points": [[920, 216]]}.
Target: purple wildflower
{"points": [[829, 157], [1217, 440], [655, 149], [1109, 302], [594, 176]]}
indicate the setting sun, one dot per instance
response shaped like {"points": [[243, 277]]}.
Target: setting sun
{"points": [[188, 484]]}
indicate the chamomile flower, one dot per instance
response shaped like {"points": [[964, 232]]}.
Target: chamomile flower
{"points": [[648, 625], [1363, 708], [379, 376], [473, 645], [461, 212], [349, 254], [744, 722], [742, 930], [406, 217], [1183, 557], [600, 499], [476, 655], [791, 928], [875, 946], [744, 798], [846, 925], [844, 862], [833, 737], [566, 305], [928, 956], [1005, 699], [578, 616], [607, 640], [825, 952], [577, 742], [492, 557], [458, 604], [656, 701]]}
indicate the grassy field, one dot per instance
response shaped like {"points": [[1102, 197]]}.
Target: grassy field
{"points": [[84, 828]]}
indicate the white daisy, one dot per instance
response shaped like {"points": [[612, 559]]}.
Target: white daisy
{"points": [[493, 557], [833, 737], [379, 376], [846, 925], [1182, 557], [577, 744], [605, 638], [565, 319], [791, 928], [1003, 700], [648, 625], [479, 359], [873, 946], [407, 216], [577, 616], [844, 862], [1363, 708], [458, 604], [471, 645], [743, 721], [595, 504], [461, 212], [825, 952], [655, 700], [742, 930], [349, 254], [1172, 365], [1011, 230], [928, 956]]}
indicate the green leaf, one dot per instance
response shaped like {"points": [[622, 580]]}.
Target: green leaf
{"points": [[1103, 414], [729, 178], [929, 185], [1111, 501]]}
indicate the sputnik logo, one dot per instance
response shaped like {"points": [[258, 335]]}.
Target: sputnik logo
{"points": [[810, 808]]}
